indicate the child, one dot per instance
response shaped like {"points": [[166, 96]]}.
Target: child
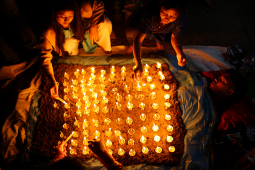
{"points": [[62, 36]]}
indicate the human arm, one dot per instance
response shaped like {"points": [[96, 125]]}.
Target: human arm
{"points": [[105, 158], [60, 152], [176, 43], [137, 54]]}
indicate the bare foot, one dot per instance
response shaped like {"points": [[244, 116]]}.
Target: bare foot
{"points": [[106, 52], [128, 50], [160, 47]]}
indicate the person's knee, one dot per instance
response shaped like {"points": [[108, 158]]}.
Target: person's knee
{"points": [[105, 26]]}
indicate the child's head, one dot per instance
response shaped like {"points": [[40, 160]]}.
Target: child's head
{"points": [[85, 9]]}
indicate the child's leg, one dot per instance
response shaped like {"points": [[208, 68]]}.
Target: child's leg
{"points": [[104, 32]]}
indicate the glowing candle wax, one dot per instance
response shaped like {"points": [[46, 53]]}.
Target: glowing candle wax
{"points": [[156, 116], [162, 77], [129, 97], [66, 115], [66, 97], [73, 151], [131, 142], [93, 77], [155, 128], [108, 133], [78, 104], [103, 93], [149, 79], [142, 106], [66, 90], [118, 97], [83, 72], [169, 128], [131, 131], [105, 100], [166, 87], [108, 143], [157, 138], [75, 134], [107, 121], [97, 134], [158, 149], [146, 66], [76, 73], [96, 123], [139, 88], [169, 138], [143, 129], [76, 122], [132, 152], [93, 71], [55, 105], [65, 83], [143, 140], [110, 151], [85, 123], [65, 126], [126, 88], [105, 110], [67, 105], [129, 121], [167, 105], [112, 69], [166, 96], [153, 95], [143, 117], [74, 82], [75, 95], [123, 68], [117, 133], [122, 140], [171, 149], [168, 117], [119, 121], [85, 97], [61, 134], [118, 106], [85, 141], [87, 111], [87, 104], [74, 142], [123, 74], [66, 75], [145, 150], [158, 65], [103, 72], [96, 108], [130, 106], [85, 133], [141, 97], [155, 105], [121, 152], [85, 151], [152, 86], [83, 90]]}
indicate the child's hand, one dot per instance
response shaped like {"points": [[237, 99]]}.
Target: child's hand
{"points": [[54, 90], [62, 147], [97, 147], [138, 72], [181, 59]]}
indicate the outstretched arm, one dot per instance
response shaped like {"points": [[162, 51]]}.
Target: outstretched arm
{"points": [[176, 43]]}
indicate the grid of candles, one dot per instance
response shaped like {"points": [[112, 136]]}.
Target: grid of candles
{"points": [[88, 86]]}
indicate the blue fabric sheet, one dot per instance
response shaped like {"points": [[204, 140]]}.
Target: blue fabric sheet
{"points": [[198, 115]]}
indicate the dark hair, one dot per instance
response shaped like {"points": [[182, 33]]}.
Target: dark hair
{"points": [[240, 83], [75, 25], [67, 163], [176, 4]]}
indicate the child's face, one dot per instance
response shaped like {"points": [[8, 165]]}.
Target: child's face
{"points": [[65, 17], [86, 11], [168, 15]]}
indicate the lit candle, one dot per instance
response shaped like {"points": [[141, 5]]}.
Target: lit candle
{"points": [[66, 97], [93, 77], [143, 129], [166, 96], [126, 88], [83, 90], [95, 122], [156, 116], [147, 66], [167, 105], [119, 121], [131, 131], [169, 138], [105, 110], [76, 73], [118, 106], [153, 95], [65, 126], [74, 82], [75, 134], [85, 141], [97, 134], [129, 97], [65, 83], [171, 149], [149, 79], [167, 117], [143, 140], [103, 93], [131, 142], [73, 151], [152, 86], [103, 72], [146, 72], [123, 73], [132, 152], [61, 134], [66, 90], [123, 68], [121, 152], [85, 123], [157, 138], [112, 69], [74, 142], [166, 87], [85, 151], [139, 88], [55, 105], [118, 97], [108, 143], [129, 121], [107, 121], [155, 128], [158, 65], [67, 105], [162, 77], [76, 123], [105, 100], [145, 150], [117, 133], [158, 149], [130, 106], [66, 115], [75, 95], [142, 106], [169, 128], [83, 72], [102, 78], [87, 111], [78, 104], [96, 108], [87, 104], [93, 71], [110, 151], [155, 105], [108, 133], [66, 75], [85, 132], [143, 117], [122, 140]]}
